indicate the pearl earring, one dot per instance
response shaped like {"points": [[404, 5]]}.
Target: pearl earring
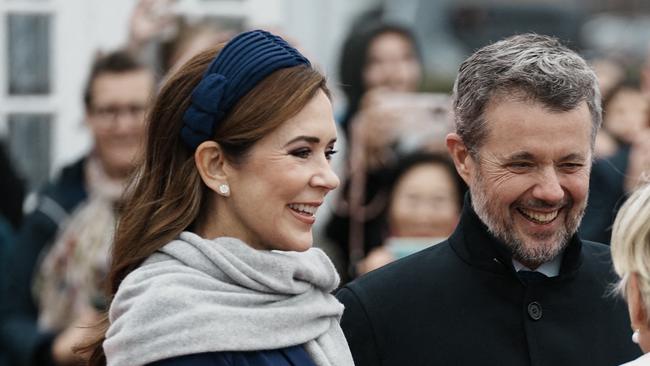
{"points": [[224, 190], [635, 336]]}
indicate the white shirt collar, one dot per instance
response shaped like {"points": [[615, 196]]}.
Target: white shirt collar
{"points": [[550, 269]]}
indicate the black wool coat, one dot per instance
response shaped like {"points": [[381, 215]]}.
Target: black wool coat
{"points": [[461, 303], [21, 340]]}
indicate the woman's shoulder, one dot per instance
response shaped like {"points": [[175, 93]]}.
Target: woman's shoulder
{"points": [[290, 356]]}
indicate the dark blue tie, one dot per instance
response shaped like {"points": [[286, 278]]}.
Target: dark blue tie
{"points": [[531, 276]]}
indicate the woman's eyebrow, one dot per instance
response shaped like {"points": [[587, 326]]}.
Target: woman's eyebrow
{"points": [[310, 139]]}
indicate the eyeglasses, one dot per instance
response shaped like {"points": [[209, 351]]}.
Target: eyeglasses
{"points": [[111, 113]]}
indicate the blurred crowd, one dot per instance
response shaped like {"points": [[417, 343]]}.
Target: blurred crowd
{"points": [[400, 191]]}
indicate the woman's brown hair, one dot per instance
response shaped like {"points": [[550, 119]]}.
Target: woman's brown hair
{"points": [[167, 195]]}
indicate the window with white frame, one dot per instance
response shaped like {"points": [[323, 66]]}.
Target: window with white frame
{"points": [[26, 86], [46, 49]]}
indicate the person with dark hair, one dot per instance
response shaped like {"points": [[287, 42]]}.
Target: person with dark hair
{"points": [[380, 63], [377, 55], [514, 284], [12, 186], [212, 259], [626, 112], [380, 67], [425, 197], [11, 215], [43, 264], [619, 169]]}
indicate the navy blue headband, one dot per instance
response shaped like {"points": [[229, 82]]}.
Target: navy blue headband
{"points": [[242, 63]]}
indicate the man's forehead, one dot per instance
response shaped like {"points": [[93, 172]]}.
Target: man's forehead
{"points": [[515, 94], [530, 155], [136, 84], [517, 111], [520, 127]]}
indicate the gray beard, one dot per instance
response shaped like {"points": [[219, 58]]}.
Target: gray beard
{"points": [[528, 254]]}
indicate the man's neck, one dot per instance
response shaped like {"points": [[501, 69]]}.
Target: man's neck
{"points": [[550, 268]]}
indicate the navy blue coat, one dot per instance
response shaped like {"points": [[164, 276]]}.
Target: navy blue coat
{"points": [[291, 356], [20, 337]]}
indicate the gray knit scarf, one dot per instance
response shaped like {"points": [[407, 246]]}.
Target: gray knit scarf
{"points": [[196, 295]]}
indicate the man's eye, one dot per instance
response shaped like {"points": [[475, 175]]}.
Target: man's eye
{"points": [[571, 166], [520, 165]]}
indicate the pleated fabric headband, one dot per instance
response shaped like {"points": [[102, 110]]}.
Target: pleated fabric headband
{"points": [[245, 61]]}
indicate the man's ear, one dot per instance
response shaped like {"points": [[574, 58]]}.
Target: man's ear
{"points": [[461, 156], [212, 166]]}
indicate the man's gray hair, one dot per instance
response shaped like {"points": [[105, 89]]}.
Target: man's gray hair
{"points": [[529, 66]]}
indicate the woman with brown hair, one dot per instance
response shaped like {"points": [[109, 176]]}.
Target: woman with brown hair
{"points": [[212, 260]]}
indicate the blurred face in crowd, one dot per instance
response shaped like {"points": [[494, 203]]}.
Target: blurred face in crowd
{"points": [[627, 114], [424, 203], [277, 190], [392, 63], [530, 179], [116, 118]]}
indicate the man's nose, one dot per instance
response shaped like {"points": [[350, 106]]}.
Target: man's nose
{"points": [[126, 120], [549, 188]]}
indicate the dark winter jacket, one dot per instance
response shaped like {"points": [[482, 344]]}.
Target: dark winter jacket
{"points": [[461, 303], [20, 337], [291, 356]]}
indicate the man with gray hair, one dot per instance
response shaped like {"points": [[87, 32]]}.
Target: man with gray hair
{"points": [[513, 285]]}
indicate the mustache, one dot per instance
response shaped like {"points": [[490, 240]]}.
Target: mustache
{"points": [[545, 205]]}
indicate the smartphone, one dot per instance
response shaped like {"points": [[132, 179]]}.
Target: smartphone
{"points": [[423, 119]]}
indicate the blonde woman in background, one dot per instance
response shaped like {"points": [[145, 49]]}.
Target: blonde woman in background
{"points": [[631, 257]]}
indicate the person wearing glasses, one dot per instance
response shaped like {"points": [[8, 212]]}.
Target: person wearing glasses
{"points": [[57, 263]]}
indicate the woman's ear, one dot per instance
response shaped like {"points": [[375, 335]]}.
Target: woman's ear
{"points": [[461, 156], [213, 167], [638, 312]]}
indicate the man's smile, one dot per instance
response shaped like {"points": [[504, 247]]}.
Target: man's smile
{"points": [[537, 217]]}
